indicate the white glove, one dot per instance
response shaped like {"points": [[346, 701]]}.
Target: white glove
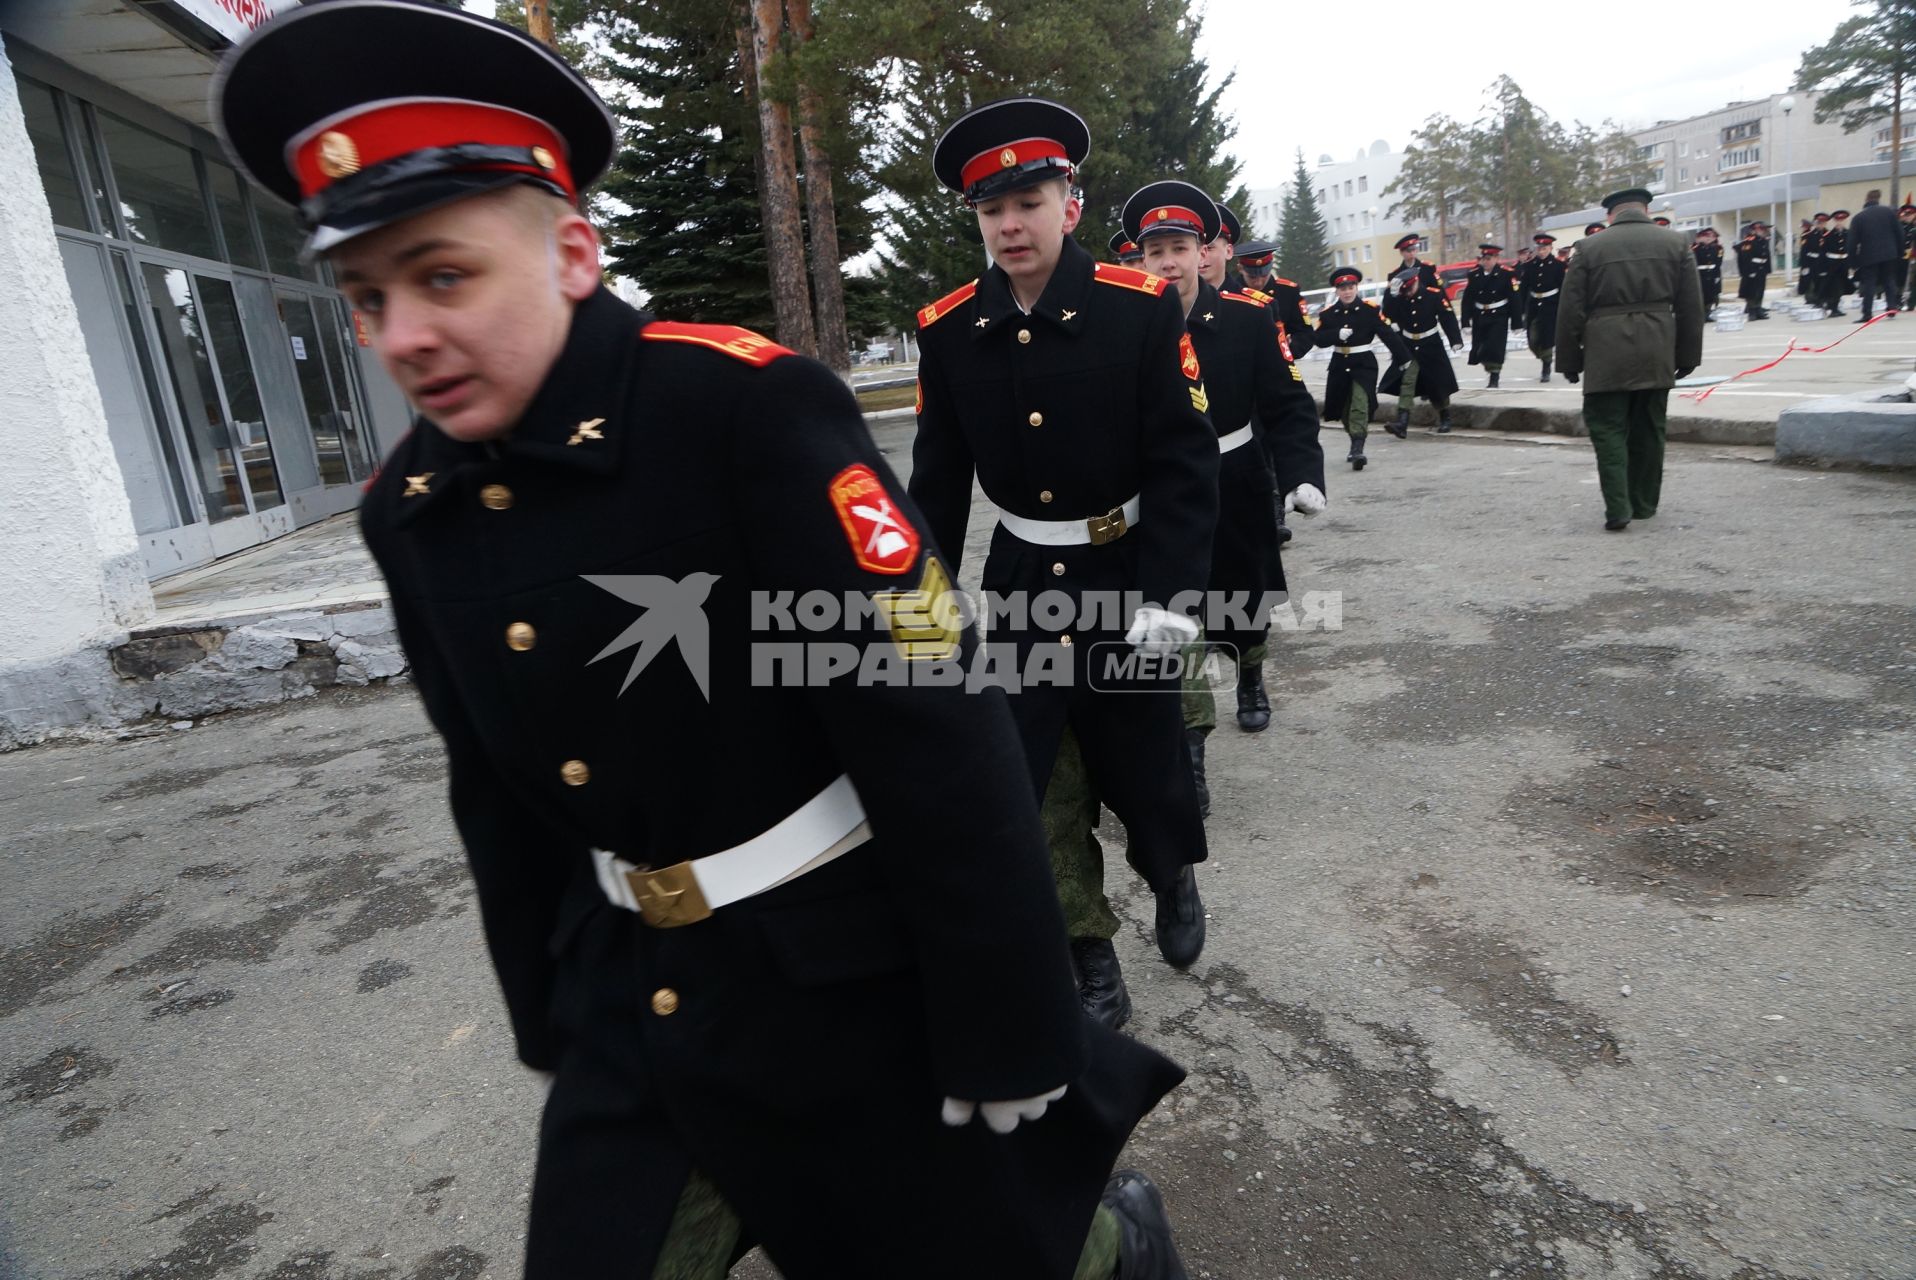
{"points": [[1000, 1117], [1344, 334], [1155, 630], [1306, 498], [1456, 347]]}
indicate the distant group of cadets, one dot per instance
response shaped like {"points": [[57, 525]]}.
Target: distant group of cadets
{"points": [[1823, 275]]}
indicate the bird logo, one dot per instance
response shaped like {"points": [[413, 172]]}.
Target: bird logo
{"points": [[674, 610]]}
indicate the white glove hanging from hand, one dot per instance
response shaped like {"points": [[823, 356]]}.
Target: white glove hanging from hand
{"points": [[1000, 1117], [1306, 498], [1344, 334], [1156, 630]]}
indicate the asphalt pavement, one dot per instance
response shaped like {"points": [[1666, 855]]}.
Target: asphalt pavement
{"points": [[1561, 926]]}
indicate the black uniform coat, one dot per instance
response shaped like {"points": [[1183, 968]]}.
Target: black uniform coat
{"points": [[1753, 267], [1709, 272], [1488, 299], [1298, 419], [1423, 311], [1357, 366], [1062, 414], [1245, 375], [1542, 284], [819, 1023]]}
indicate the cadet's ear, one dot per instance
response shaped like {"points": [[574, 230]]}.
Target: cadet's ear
{"points": [[578, 248]]}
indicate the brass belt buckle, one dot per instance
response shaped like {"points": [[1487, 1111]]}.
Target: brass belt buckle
{"points": [[1108, 527], [668, 896]]}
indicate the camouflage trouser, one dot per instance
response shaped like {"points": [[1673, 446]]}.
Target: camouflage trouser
{"points": [[1200, 703], [1357, 411], [704, 1234], [1407, 391], [1070, 815]]}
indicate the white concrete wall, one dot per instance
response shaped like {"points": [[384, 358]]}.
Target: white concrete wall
{"points": [[71, 574]]}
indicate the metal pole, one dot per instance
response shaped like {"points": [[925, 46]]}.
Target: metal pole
{"points": [[1789, 200]]}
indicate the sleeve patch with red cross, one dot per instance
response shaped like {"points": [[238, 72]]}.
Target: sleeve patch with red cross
{"points": [[883, 541]]}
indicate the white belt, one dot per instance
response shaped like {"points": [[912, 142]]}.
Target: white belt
{"points": [[1353, 351], [1490, 306], [1551, 294], [829, 824], [1836, 255], [1419, 337], [1232, 439], [1095, 531]]}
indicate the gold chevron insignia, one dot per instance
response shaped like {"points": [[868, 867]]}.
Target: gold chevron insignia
{"points": [[925, 622], [1200, 401]]}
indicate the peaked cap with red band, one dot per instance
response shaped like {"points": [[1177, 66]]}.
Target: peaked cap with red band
{"points": [[1228, 225], [1123, 248], [1171, 207], [361, 113], [1010, 144], [1255, 255]]}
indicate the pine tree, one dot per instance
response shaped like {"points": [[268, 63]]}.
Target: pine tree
{"points": [[1434, 183], [1866, 69], [1304, 252]]}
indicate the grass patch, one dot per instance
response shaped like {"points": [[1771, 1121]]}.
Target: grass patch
{"points": [[890, 398]]}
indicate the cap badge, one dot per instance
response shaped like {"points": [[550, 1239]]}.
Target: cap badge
{"points": [[543, 158], [338, 154], [1008, 159]]}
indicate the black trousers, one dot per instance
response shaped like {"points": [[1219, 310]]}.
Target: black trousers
{"points": [[1879, 277]]}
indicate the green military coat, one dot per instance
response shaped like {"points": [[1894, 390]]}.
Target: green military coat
{"points": [[1632, 311]]}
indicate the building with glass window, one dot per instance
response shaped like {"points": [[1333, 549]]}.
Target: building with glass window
{"points": [[178, 384]]}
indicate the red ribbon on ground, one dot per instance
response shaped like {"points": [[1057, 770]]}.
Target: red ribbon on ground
{"points": [[1792, 349]]}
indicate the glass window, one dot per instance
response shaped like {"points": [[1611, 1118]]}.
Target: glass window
{"points": [[241, 249], [244, 411], [283, 238], [49, 137], [129, 305], [331, 438], [190, 368], [160, 199], [353, 441], [1363, 184], [1367, 253]]}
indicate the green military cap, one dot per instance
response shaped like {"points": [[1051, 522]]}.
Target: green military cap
{"points": [[1629, 195]]}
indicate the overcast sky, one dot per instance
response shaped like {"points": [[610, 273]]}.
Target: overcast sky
{"points": [[1322, 76]]}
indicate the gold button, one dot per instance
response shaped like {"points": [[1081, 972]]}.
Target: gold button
{"points": [[575, 773], [520, 636], [1044, 495], [1058, 568], [1024, 335], [496, 497], [1037, 419], [665, 1002], [1065, 640]]}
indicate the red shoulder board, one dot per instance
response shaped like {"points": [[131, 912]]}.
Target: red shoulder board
{"points": [[740, 344], [1282, 280], [928, 316], [1247, 297], [1130, 278]]}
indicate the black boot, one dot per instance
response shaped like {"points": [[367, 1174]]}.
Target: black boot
{"points": [[1400, 425], [1356, 456], [1194, 743], [1546, 371], [1180, 923], [1253, 706], [1494, 375], [1443, 421], [1145, 1248], [1101, 989]]}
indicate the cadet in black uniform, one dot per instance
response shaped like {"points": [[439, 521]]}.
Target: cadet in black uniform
{"points": [[1124, 249], [1286, 302], [1753, 269], [747, 1011], [1488, 293], [1423, 318], [1542, 284], [1709, 267], [1407, 246], [1907, 217], [1071, 392], [1812, 273], [1349, 327], [1836, 277]]}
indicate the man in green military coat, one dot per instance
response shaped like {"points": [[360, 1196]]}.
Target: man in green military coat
{"points": [[1631, 322]]}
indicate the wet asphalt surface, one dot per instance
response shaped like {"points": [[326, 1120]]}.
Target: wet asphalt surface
{"points": [[1561, 927]]}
